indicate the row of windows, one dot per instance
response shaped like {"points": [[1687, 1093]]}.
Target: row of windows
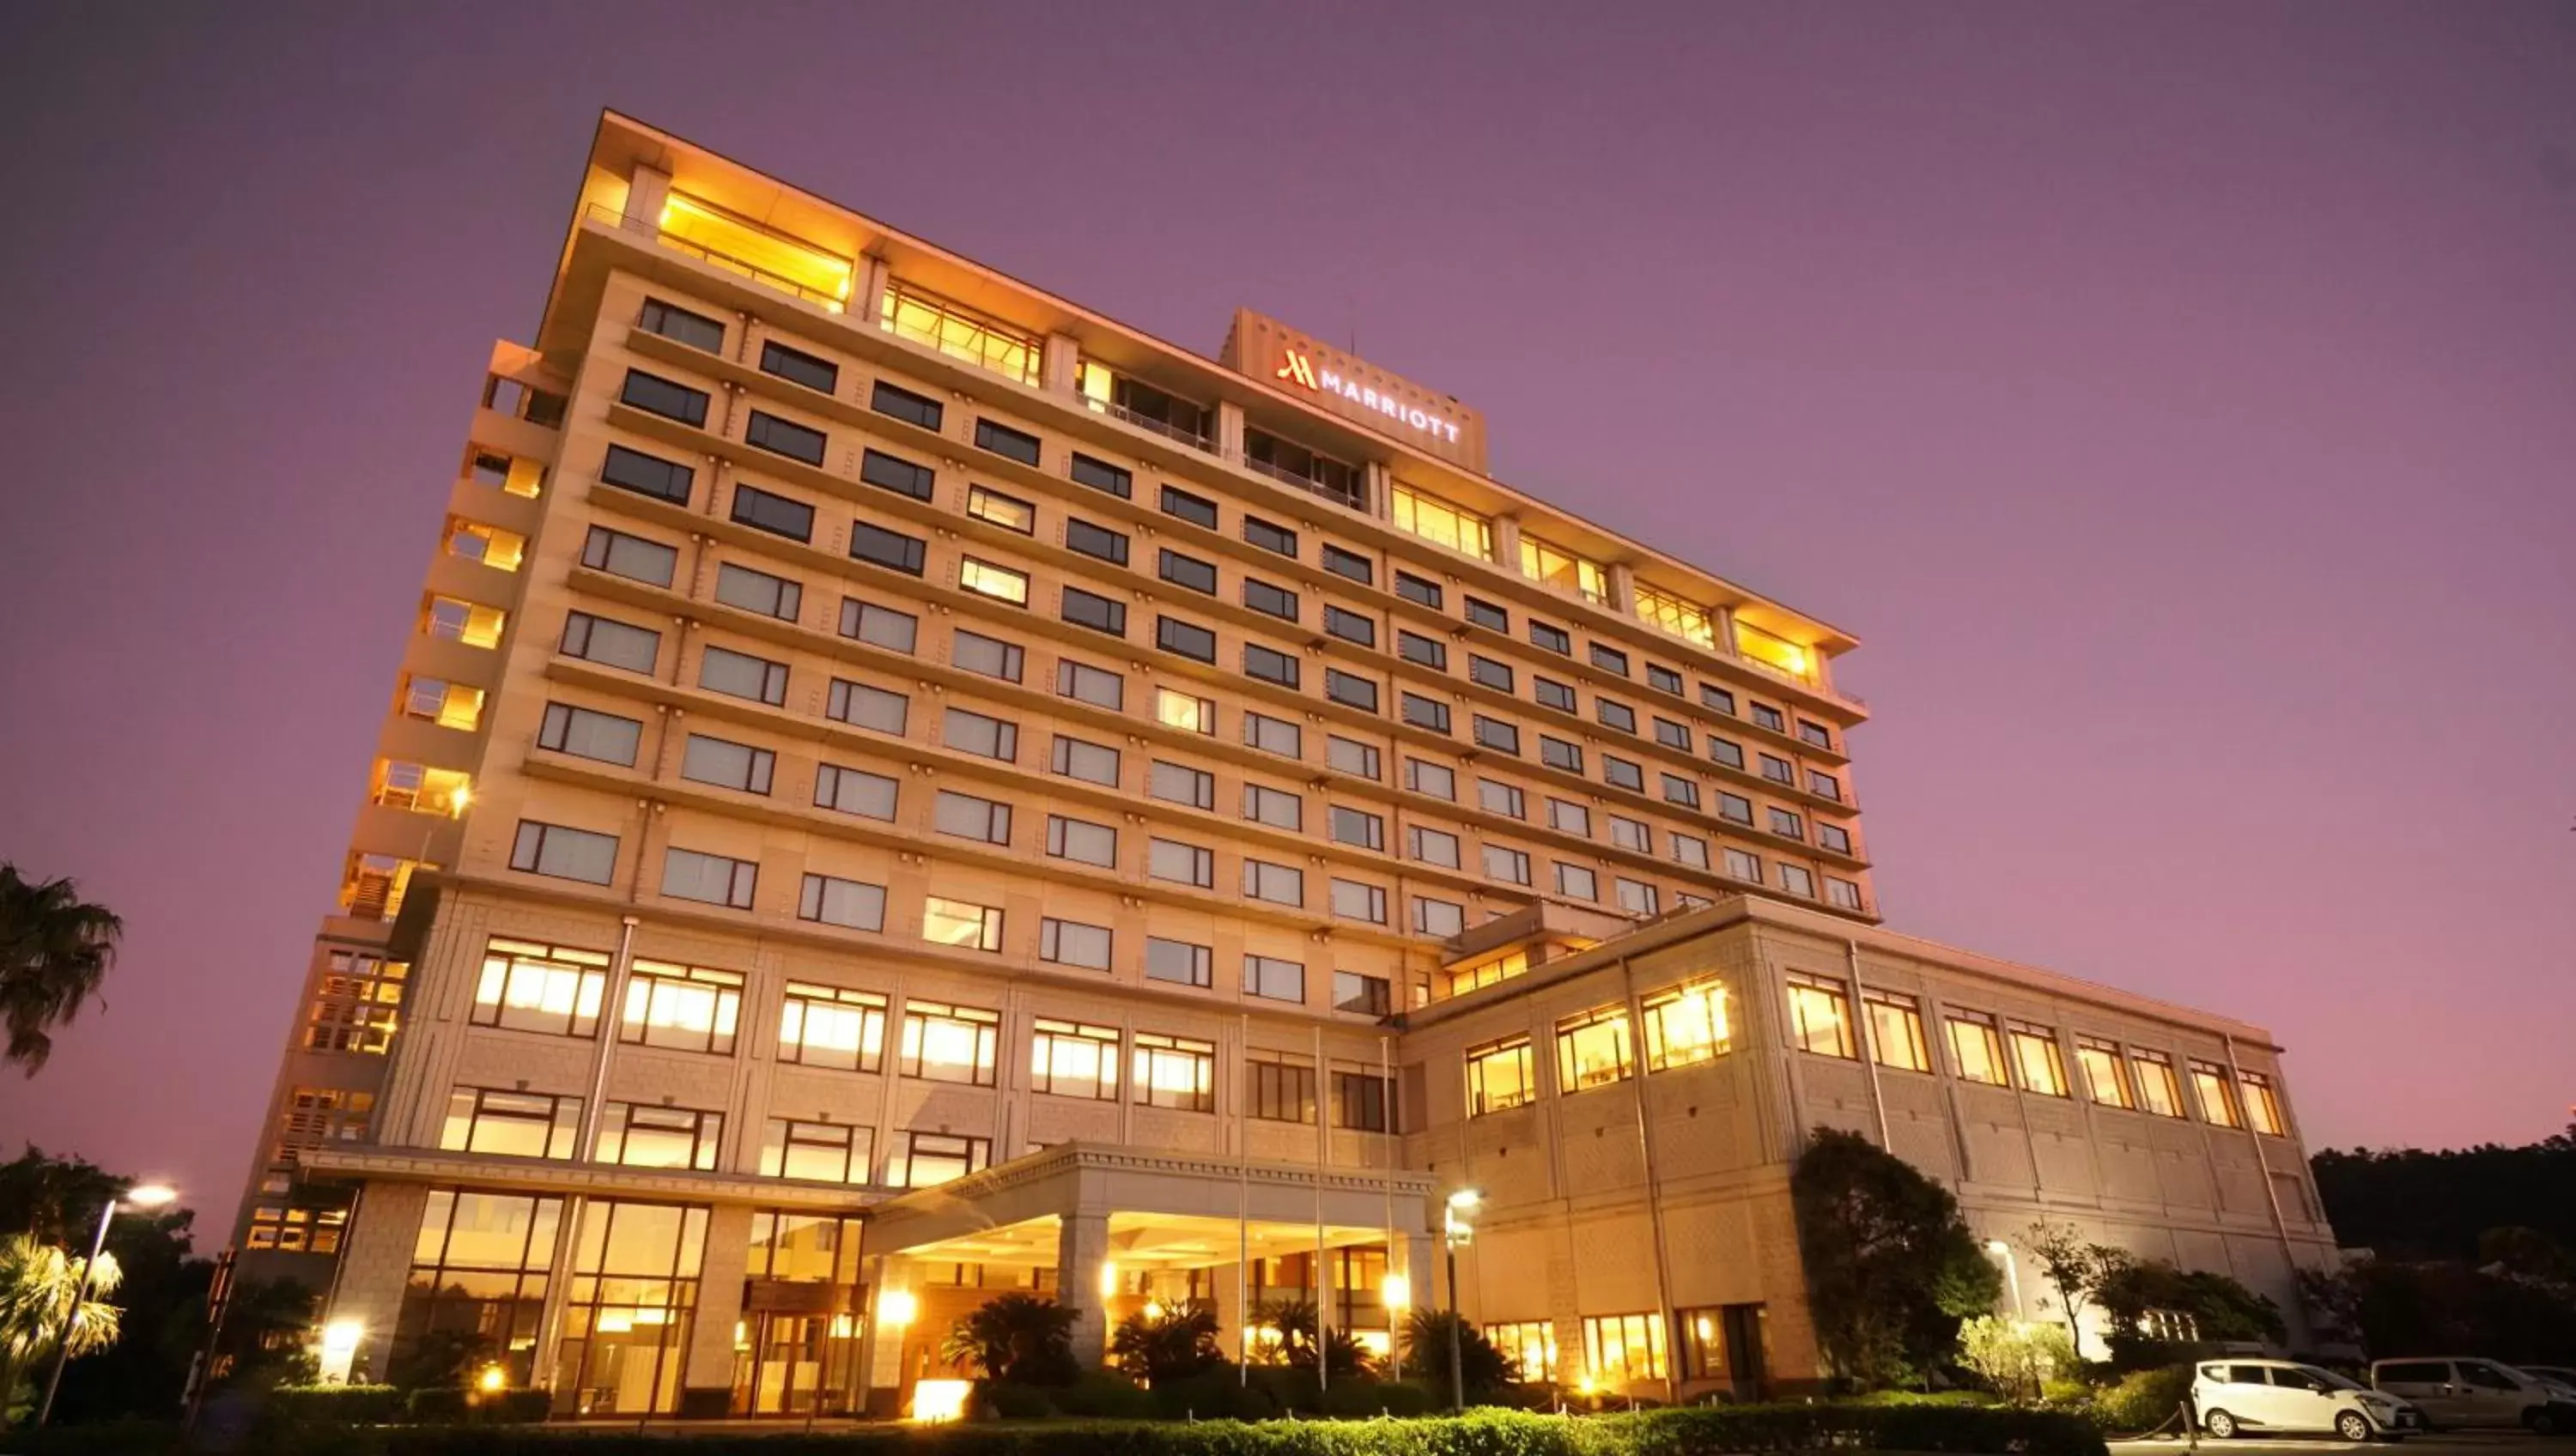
{"points": [[1682, 1026]]}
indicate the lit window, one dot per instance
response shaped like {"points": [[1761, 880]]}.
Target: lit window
{"points": [[501, 550], [1771, 650], [1528, 1346], [1557, 567], [1443, 524], [548, 988], [441, 791], [960, 332], [471, 623], [1592, 1050], [943, 1043], [447, 704], [2157, 1091], [688, 1008], [1976, 1049], [831, 1026], [1182, 711], [1896, 1031], [1175, 1072], [999, 582], [658, 1137], [1620, 1349], [1499, 1077], [510, 1124], [2262, 1105], [1071, 1059], [2217, 1104], [1680, 618], [2100, 1063], [737, 244], [929, 1159], [1820, 1017], [2040, 1066], [357, 1004], [1686, 1025], [1489, 971], [961, 924], [816, 1152]]}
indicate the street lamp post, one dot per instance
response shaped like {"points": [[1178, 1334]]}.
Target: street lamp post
{"points": [[1455, 1229], [142, 1195]]}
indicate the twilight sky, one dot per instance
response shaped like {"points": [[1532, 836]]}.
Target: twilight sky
{"points": [[2177, 400]]}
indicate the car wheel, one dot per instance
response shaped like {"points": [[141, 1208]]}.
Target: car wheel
{"points": [[2220, 1424], [2544, 1422], [2352, 1426]]}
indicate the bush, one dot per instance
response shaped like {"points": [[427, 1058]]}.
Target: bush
{"points": [[338, 1405], [1104, 1395], [2142, 1400]]}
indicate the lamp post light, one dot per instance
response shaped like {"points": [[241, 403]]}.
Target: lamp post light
{"points": [[2012, 1274], [141, 1195], [1457, 1227]]}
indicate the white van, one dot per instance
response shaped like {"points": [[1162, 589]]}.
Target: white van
{"points": [[2461, 1391], [2253, 1397]]}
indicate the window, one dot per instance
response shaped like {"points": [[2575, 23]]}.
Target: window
{"points": [[1272, 735], [945, 1043], [929, 1159], [653, 394], [1673, 735], [2262, 1104], [1743, 866], [1577, 881], [990, 656], [971, 732], [510, 1124], [1101, 475], [1432, 846], [1095, 541], [1182, 711], [1796, 880], [1073, 943], [1077, 758], [851, 904], [1558, 754], [658, 1137], [1418, 591], [784, 437], [1592, 1050], [1507, 864], [1175, 783], [1073, 1059], [1187, 571], [1006, 442], [1496, 797], [357, 1006], [1269, 665], [1424, 650], [1842, 894], [1824, 785], [647, 474], [1180, 863], [1499, 1076], [1610, 659], [1485, 614], [584, 733], [1002, 583], [1364, 1101], [961, 923], [1554, 566], [2157, 1091], [682, 1008], [523, 478], [2100, 1063], [881, 626], [727, 764], [1422, 712], [903, 404], [1820, 1016], [525, 986], [1686, 1025], [711, 879], [1350, 756], [1353, 900], [1620, 1349], [565, 854], [1766, 716], [1358, 827], [741, 675], [1196, 509], [1777, 770], [1278, 1088], [1009, 512], [1349, 563], [1735, 808], [681, 326], [1679, 790], [1498, 735], [2217, 1104], [1187, 639], [1442, 918], [816, 1152], [1099, 613], [1680, 618], [1178, 962], [1615, 714], [1269, 537], [1350, 626], [799, 367], [1097, 686], [471, 623], [1082, 841], [2036, 1061], [1350, 690], [1489, 673], [1975, 1049], [758, 591], [1441, 523], [1569, 817], [1635, 896], [866, 707], [1274, 979], [1620, 773], [1552, 694], [892, 550], [1554, 639], [1896, 1031], [1690, 849], [1664, 680], [1717, 699], [1726, 751], [894, 473], [1425, 777], [1834, 837], [968, 816], [1175, 1072], [1277, 808], [632, 557], [1788, 825]]}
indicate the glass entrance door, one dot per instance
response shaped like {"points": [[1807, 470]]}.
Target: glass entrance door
{"points": [[796, 1365]]}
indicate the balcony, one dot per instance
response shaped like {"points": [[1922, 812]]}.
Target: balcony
{"points": [[1142, 421], [815, 265], [1355, 498]]}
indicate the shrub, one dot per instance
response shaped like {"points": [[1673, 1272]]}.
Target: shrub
{"points": [[1104, 1395], [340, 1405], [2142, 1400], [2016, 1358]]}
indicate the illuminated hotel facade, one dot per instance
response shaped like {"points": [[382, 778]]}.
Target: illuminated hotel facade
{"points": [[904, 788]]}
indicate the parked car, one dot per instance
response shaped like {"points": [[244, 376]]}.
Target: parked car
{"points": [[2463, 1391], [2246, 1397], [2555, 1374]]}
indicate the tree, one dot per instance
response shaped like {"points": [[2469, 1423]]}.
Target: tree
{"points": [[1891, 1267], [1293, 1321], [2407, 1204], [2219, 1307], [2077, 1268], [2015, 1358], [38, 1286], [1485, 1370], [1162, 1344], [55, 951], [1017, 1338]]}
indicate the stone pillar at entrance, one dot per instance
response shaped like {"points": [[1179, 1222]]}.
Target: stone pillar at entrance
{"points": [[706, 1387], [1082, 1246], [375, 1267]]}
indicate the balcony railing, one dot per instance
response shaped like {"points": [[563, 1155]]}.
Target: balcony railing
{"points": [[1116, 411], [601, 212], [1311, 487]]}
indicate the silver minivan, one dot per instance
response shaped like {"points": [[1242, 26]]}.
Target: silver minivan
{"points": [[2460, 1390]]}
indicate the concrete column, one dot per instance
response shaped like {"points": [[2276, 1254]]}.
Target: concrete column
{"points": [[1229, 430], [1082, 1246], [706, 1384], [1507, 542], [881, 1344], [375, 1267], [1229, 1305], [1623, 588], [646, 191], [1724, 617], [1055, 371], [869, 306], [1381, 489]]}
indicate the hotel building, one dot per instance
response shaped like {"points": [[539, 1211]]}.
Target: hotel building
{"points": [[905, 788]]}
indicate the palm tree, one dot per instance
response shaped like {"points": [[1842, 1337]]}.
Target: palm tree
{"points": [[55, 949], [38, 1283], [1017, 1338], [1294, 1320], [1168, 1344]]}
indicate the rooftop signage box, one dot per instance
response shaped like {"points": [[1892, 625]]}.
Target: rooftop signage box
{"points": [[1299, 366]]}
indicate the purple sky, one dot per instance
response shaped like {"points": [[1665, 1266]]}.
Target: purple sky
{"points": [[2178, 401]]}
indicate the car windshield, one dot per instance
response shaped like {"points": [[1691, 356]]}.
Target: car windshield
{"points": [[2331, 1380]]}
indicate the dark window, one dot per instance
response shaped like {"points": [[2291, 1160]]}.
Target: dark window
{"points": [[1269, 664], [1679, 790], [1609, 659], [1815, 733], [1198, 510], [784, 437], [629, 556], [1261, 596], [1554, 639], [1557, 753], [1717, 698], [1329, 477], [1098, 613], [1002, 440], [1080, 535], [1673, 735], [1486, 614], [1734, 808], [1350, 626], [1268, 537], [1101, 475], [1553, 694], [798, 367], [1188, 571], [903, 404], [1349, 563], [1615, 715], [776, 514], [1424, 650], [1620, 773], [1769, 717], [1422, 712], [1349, 689], [1831, 836], [1186, 638], [681, 326], [1726, 751], [895, 474], [1498, 735], [1495, 675], [656, 395], [1663, 679], [1414, 589], [647, 474], [881, 547]]}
